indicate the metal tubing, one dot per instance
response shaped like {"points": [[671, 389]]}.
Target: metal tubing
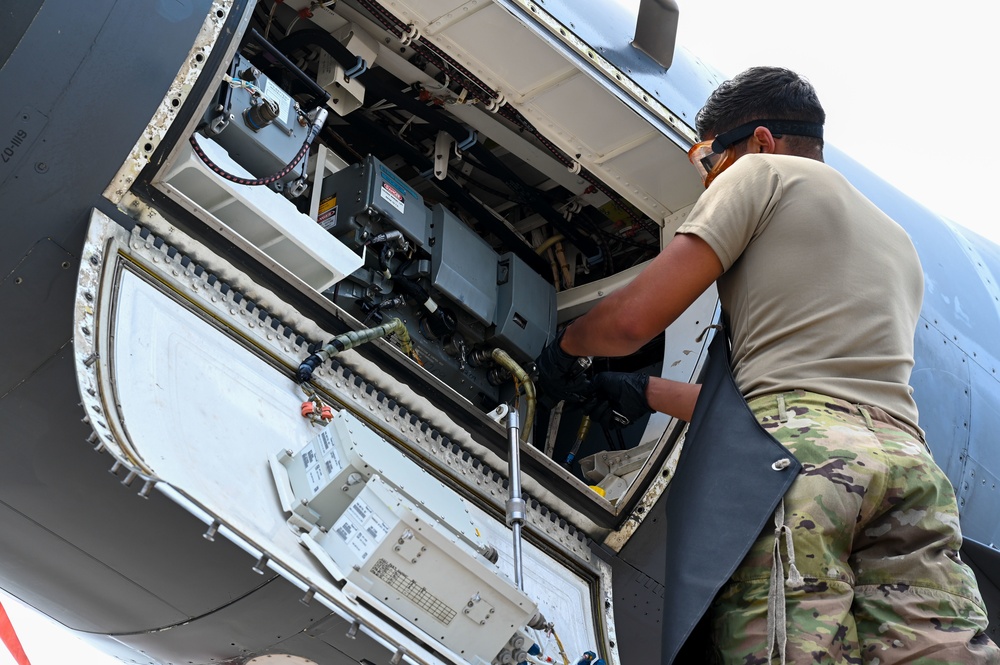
{"points": [[515, 504], [503, 359]]}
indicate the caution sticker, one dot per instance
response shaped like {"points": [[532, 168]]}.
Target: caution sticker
{"points": [[327, 216], [392, 195]]}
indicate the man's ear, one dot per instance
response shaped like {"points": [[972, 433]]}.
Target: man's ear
{"points": [[762, 141]]}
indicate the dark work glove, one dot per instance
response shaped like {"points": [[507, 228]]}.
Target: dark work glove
{"points": [[618, 399], [561, 376]]}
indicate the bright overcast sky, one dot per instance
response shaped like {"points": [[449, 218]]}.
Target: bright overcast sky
{"points": [[909, 90], [908, 86]]}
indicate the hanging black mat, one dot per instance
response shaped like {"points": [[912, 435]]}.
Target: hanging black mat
{"points": [[723, 494]]}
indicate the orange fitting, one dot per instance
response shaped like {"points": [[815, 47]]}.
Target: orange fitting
{"points": [[308, 409], [305, 12], [325, 412]]}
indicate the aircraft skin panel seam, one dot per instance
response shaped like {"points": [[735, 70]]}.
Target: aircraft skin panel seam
{"points": [[611, 77], [88, 555], [174, 99], [298, 344]]}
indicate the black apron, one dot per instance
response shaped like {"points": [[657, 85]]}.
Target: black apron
{"points": [[721, 497]]}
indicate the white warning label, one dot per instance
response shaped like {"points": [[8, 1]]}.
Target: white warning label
{"points": [[361, 529], [274, 92], [392, 195], [314, 470], [328, 452]]}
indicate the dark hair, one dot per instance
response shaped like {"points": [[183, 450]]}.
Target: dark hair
{"points": [[759, 93]]}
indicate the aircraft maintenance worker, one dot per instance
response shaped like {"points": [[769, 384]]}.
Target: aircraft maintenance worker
{"points": [[821, 292]]}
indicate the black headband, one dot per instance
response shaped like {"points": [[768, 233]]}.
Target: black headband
{"points": [[794, 127]]}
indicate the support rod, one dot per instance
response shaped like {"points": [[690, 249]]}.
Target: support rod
{"points": [[515, 504]]}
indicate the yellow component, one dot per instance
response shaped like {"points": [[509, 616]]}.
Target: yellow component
{"points": [[478, 535], [599, 490], [521, 380]]}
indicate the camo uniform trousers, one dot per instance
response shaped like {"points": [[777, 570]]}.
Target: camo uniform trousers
{"points": [[875, 539]]}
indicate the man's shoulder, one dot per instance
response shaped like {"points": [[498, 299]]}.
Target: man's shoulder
{"points": [[771, 171], [789, 165]]}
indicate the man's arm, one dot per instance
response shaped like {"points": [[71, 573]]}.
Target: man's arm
{"points": [[628, 318], [673, 398]]}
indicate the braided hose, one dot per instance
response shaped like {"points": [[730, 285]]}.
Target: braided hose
{"points": [[521, 378], [351, 339]]}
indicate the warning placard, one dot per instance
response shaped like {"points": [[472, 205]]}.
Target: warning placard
{"points": [[327, 216], [392, 195]]}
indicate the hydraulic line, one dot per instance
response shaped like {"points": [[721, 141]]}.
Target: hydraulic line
{"points": [[548, 243], [351, 339], [321, 96], [522, 379], [515, 504], [581, 434]]}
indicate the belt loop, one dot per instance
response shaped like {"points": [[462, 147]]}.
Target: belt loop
{"points": [[782, 411], [868, 417]]}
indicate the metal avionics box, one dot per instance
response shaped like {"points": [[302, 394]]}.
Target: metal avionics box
{"points": [[388, 546], [463, 265], [526, 307], [400, 537], [264, 150], [369, 192]]}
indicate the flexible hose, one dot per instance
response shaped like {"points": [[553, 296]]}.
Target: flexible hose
{"points": [[549, 242], [351, 339], [521, 378], [581, 434]]}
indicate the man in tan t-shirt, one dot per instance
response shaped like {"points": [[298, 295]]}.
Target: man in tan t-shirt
{"points": [[820, 292]]}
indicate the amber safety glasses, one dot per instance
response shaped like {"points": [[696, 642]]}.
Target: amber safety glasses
{"points": [[712, 157], [709, 163]]}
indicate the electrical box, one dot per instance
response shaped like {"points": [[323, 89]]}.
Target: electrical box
{"points": [[377, 519], [369, 192], [346, 93], [241, 123], [526, 307], [390, 547], [463, 265]]}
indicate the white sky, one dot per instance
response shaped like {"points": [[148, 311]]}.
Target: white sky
{"points": [[908, 86], [909, 89]]}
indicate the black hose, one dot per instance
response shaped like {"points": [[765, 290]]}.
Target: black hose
{"points": [[319, 93]]}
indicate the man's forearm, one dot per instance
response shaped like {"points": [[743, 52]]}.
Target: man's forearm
{"points": [[600, 333], [673, 398], [628, 318]]}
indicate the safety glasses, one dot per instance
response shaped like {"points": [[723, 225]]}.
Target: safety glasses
{"points": [[712, 157]]}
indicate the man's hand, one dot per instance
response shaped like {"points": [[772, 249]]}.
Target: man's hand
{"points": [[561, 376], [618, 399]]}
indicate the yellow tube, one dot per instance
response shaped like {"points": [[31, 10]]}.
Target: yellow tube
{"points": [[548, 243], [520, 377], [562, 649], [567, 274]]}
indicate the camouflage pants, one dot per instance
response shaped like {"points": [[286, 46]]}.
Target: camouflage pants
{"points": [[875, 536]]}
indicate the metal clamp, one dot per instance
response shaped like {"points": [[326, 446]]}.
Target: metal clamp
{"points": [[357, 70]]}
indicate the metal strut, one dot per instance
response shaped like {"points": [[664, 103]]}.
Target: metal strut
{"points": [[515, 504]]}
